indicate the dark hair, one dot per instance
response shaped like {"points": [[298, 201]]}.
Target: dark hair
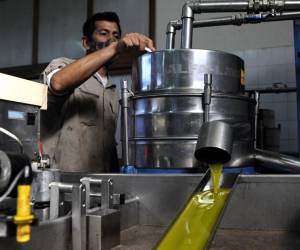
{"points": [[89, 25]]}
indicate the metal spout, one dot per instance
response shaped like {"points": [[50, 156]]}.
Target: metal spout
{"points": [[214, 143]]}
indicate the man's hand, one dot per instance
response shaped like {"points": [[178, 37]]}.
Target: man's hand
{"points": [[136, 41]]}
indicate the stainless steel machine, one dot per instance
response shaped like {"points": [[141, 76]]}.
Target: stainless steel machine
{"points": [[262, 213], [168, 105], [178, 94], [171, 102]]}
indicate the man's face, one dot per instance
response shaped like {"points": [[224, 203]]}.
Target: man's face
{"points": [[105, 31]]}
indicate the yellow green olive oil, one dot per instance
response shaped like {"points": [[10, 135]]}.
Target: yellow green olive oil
{"points": [[193, 227], [216, 172]]}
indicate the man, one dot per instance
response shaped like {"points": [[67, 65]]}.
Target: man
{"points": [[78, 129]]}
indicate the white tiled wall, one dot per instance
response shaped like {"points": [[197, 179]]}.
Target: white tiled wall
{"points": [[272, 65]]}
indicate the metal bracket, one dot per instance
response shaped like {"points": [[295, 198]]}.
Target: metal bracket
{"points": [[106, 193]]}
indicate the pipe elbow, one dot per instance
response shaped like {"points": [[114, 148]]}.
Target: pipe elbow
{"points": [[187, 10], [171, 27]]}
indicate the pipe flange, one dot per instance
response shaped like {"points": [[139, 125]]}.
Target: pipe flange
{"points": [[250, 6], [276, 5]]}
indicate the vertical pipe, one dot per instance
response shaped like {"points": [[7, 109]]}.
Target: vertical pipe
{"points": [[170, 41], [187, 27], [257, 99], [125, 150]]}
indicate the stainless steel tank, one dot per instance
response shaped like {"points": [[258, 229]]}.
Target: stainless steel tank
{"points": [[167, 106]]}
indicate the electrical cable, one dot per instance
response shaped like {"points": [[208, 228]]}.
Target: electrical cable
{"points": [[11, 135]]}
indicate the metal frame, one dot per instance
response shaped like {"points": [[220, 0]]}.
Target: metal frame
{"points": [[106, 193], [78, 192]]}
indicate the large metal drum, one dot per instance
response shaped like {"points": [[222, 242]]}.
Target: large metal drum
{"points": [[167, 108], [182, 71]]}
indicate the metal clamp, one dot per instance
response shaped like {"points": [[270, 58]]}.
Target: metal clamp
{"points": [[106, 193], [78, 192]]}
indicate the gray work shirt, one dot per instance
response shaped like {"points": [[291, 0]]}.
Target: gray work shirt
{"points": [[78, 129]]}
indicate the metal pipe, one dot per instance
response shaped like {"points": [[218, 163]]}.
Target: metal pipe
{"points": [[125, 146], [251, 6], [238, 20], [268, 160], [190, 8], [257, 99], [278, 162], [171, 31], [187, 22], [219, 6], [291, 5], [282, 16]]}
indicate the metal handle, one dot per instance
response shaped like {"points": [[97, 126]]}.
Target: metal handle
{"points": [[207, 95]]}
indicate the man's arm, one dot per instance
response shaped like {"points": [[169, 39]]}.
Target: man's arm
{"points": [[77, 72]]}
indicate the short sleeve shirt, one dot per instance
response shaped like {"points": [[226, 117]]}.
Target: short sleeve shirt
{"points": [[78, 128]]}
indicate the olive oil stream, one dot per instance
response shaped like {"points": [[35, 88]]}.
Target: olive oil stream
{"points": [[193, 227]]}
